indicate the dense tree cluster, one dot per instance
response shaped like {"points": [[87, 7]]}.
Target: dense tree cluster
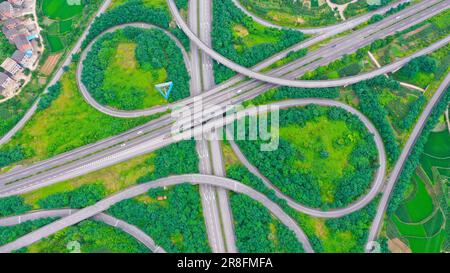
{"points": [[253, 224], [154, 50], [413, 112], [414, 157], [10, 155], [134, 11], [378, 17], [47, 98], [182, 4], [370, 106], [81, 197], [283, 93], [425, 63], [301, 184], [178, 158], [240, 173], [225, 14], [13, 205], [131, 11], [357, 222], [93, 237], [176, 224]]}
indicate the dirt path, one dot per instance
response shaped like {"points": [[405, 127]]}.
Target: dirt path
{"points": [[341, 8]]}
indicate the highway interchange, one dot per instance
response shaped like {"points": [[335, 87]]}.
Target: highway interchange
{"points": [[156, 133], [249, 89]]}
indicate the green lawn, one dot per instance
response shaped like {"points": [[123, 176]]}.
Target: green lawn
{"points": [[438, 144], [409, 229], [436, 154], [434, 224], [258, 35], [60, 9], [68, 123], [427, 245], [65, 26], [123, 67], [55, 43], [420, 205]]}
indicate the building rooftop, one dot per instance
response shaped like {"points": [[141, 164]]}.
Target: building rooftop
{"points": [[3, 77], [22, 43], [6, 9], [18, 56]]}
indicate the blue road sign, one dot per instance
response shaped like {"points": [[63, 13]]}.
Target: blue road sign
{"points": [[165, 89]]}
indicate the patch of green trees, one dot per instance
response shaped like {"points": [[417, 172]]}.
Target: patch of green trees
{"points": [[154, 50], [284, 93], [425, 63], [225, 13], [181, 4], [414, 111], [301, 184], [367, 92], [81, 197], [357, 222], [134, 11], [11, 154], [176, 224], [177, 158], [47, 98], [13, 205], [9, 234], [257, 231], [378, 17]]}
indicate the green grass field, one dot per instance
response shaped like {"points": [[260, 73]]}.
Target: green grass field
{"points": [[55, 43], [319, 135], [435, 159], [438, 144], [427, 245], [60, 9], [420, 206], [258, 35], [68, 123], [123, 67]]}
